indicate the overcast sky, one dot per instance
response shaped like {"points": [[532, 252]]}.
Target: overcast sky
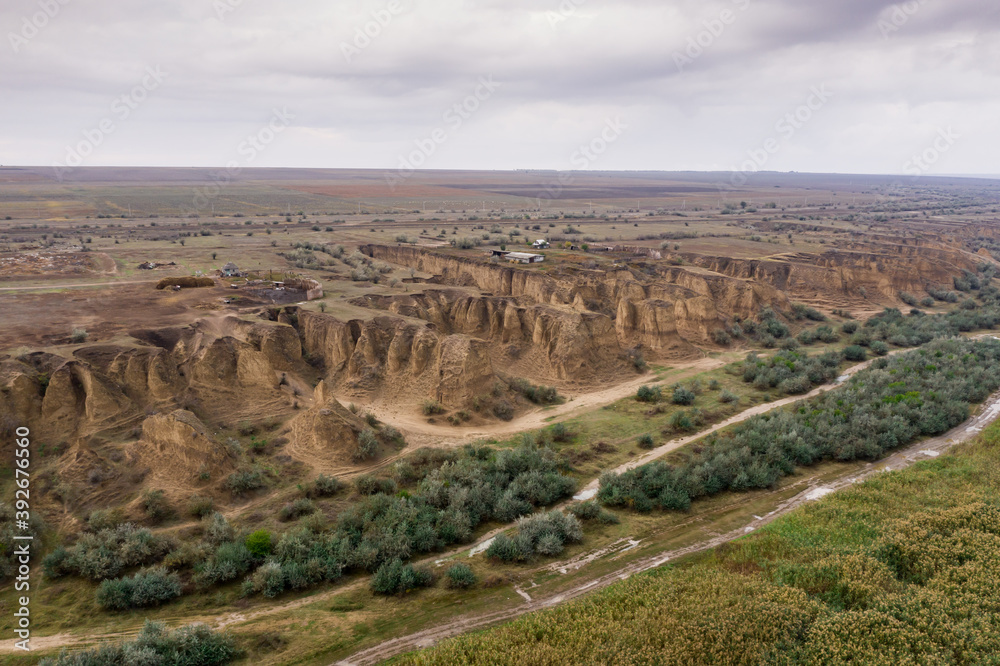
{"points": [[647, 84]]}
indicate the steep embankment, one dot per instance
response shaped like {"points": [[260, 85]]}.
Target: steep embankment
{"points": [[542, 342], [390, 357], [671, 310], [121, 417], [846, 274]]}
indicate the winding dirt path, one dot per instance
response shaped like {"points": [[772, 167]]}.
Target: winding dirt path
{"points": [[421, 433]]}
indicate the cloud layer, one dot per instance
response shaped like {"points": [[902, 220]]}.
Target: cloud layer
{"points": [[724, 84]]}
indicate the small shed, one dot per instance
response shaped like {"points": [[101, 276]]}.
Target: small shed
{"points": [[525, 258], [540, 244]]}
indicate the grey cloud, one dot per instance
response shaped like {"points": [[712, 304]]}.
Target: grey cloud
{"points": [[563, 74]]}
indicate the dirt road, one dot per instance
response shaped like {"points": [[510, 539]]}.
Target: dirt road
{"points": [[78, 286]]}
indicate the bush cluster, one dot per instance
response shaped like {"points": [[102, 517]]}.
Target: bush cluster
{"points": [[469, 487], [397, 578], [540, 395], [649, 394], [148, 588], [790, 372], [461, 577], [194, 645], [106, 554], [544, 534]]}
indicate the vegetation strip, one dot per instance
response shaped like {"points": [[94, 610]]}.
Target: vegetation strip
{"points": [[896, 400]]}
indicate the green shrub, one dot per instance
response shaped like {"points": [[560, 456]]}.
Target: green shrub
{"points": [[681, 421], [268, 580], [326, 486], [540, 395], [432, 407], [849, 327], [200, 507], [649, 394], [259, 543], [586, 510], [367, 448], [827, 334], [795, 385], [721, 337], [245, 480], [855, 353], [394, 577], [104, 519], [297, 509], [543, 534], [560, 433], [156, 506], [505, 549], [217, 529], [682, 396], [879, 348], [229, 562], [726, 397], [503, 410], [393, 435], [646, 442], [461, 577], [372, 485], [152, 587]]}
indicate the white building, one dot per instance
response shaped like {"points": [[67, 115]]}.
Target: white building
{"points": [[525, 258]]}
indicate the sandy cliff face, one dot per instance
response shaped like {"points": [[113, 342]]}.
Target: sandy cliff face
{"points": [[562, 342], [671, 310], [175, 447], [394, 357], [104, 387], [846, 273]]}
